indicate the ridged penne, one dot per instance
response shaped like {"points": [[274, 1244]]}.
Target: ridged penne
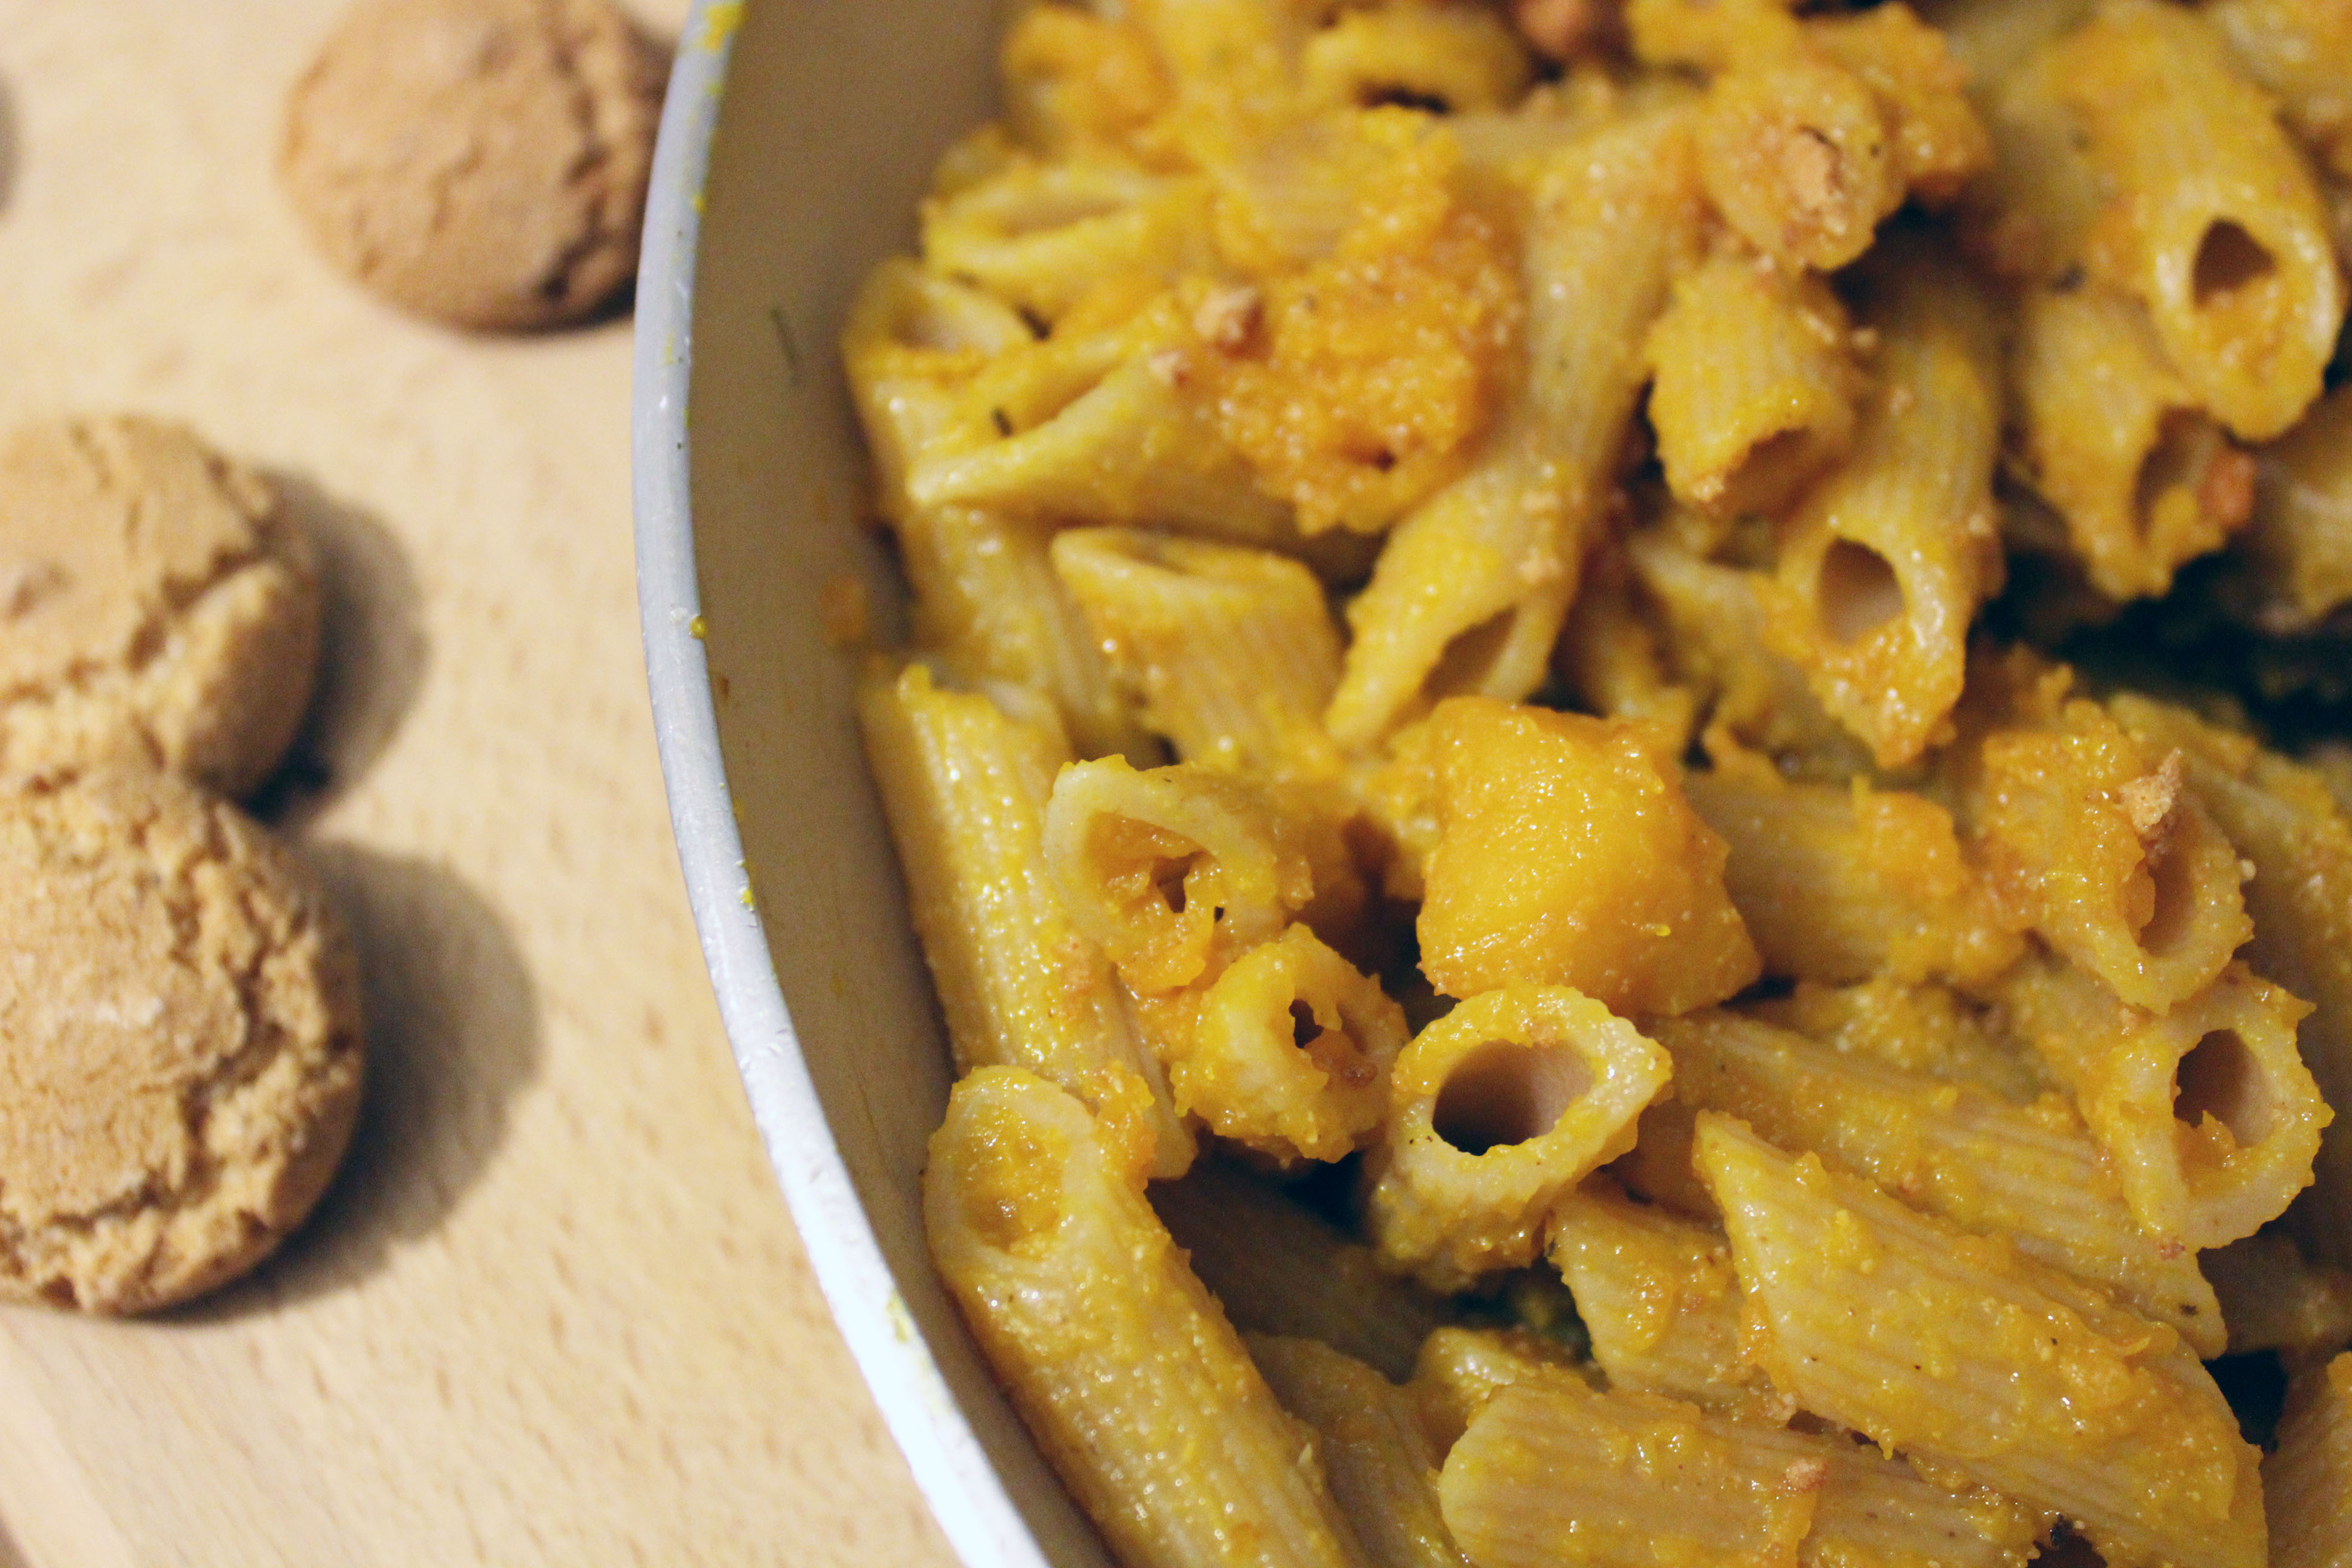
{"points": [[1289, 1052], [1494, 1110], [2117, 443], [1926, 1029], [1884, 564], [965, 786], [1124, 1368], [2209, 1116], [1233, 652], [2010, 1373], [2290, 829], [2028, 1172], [1459, 1369], [1381, 1464], [1550, 1471], [1280, 1268], [2300, 544], [1471, 590], [2230, 247], [1043, 234], [1657, 1293], [2098, 845], [1755, 384], [1841, 885], [1173, 872], [2308, 1479]]}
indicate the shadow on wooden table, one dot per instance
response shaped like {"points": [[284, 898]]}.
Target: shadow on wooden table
{"points": [[7, 188], [453, 1025], [373, 653]]}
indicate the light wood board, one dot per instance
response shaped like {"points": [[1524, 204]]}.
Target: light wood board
{"points": [[553, 1310]]}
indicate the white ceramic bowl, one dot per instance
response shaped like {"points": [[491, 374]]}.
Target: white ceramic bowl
{"points": [[798, 136]]}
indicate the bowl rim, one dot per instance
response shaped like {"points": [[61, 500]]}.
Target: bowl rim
{"points": [[966, 1494]]}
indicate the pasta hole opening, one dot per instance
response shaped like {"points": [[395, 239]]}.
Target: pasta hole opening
{"points": [[2219, 1078], [2186, 443], [1502, 1094], [1303, 1027], [1169, 877], [1770, 472], [1334, 1052], [1400, 95], [1859, 592], [2229, 263], [1468, 658], [2172, 911]]}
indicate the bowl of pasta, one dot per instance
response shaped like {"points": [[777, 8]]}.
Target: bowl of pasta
{"points": [[1532, 783]]}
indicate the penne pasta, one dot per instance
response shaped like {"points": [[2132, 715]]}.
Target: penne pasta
{"points": [[1123, 1366], [1494, 1111], [1657, 1293], [1382, 1466], [2029, 1173], [2274, 1298], [965, 784], [2309, 1478], [1980, 1360]]}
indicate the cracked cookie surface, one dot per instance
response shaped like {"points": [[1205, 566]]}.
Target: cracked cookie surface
{"points": [[179, 1033], [157, 605], [482, 162]]}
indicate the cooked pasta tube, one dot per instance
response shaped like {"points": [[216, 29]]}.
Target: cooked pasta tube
{"points": [[1611, 657], [2300, 544], [965, 786], [1075, 82], [1884, 564], [1936, 142], [2116, 442], [2009, 1372], [1928, 1029], [1459, 1369], [1472, 587], [1042, 234], [1713, 633], [2301, 54], [1097, 427], [1711, 35], [2216, 224], [1173, 872], [2308, 1479], [1566, 854], [2290, 829], [1552, 1471], [1449, 58], [1233, 650], [1280, 1270], [1494, 1110], [2207, 1114], [986, 600], [2031, 218], [1658, 1169], [1131, 1378], [1381, 1464], [1843, 885], [2117, 865], [1796, 154], [1289, 1052], [2030, 1174], [2274, 1298], [1657, 1293], [1756, 383]]}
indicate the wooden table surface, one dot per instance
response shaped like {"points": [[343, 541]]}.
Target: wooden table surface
{"points": [[552, 1310]]}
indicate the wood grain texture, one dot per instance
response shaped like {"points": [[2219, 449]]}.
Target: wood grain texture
{"points": [[552, 1310]]}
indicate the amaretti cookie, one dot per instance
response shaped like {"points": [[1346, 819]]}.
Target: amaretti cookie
{"points": [[479, 161], [158, 606], [179, 1039]]}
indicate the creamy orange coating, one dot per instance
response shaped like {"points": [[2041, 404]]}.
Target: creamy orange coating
{"points": [[1567, 855], [1355, 383]]}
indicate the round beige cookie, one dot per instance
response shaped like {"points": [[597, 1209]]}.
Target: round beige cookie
{"points": [[179, 1036], [157, 605], [479, 161]]}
